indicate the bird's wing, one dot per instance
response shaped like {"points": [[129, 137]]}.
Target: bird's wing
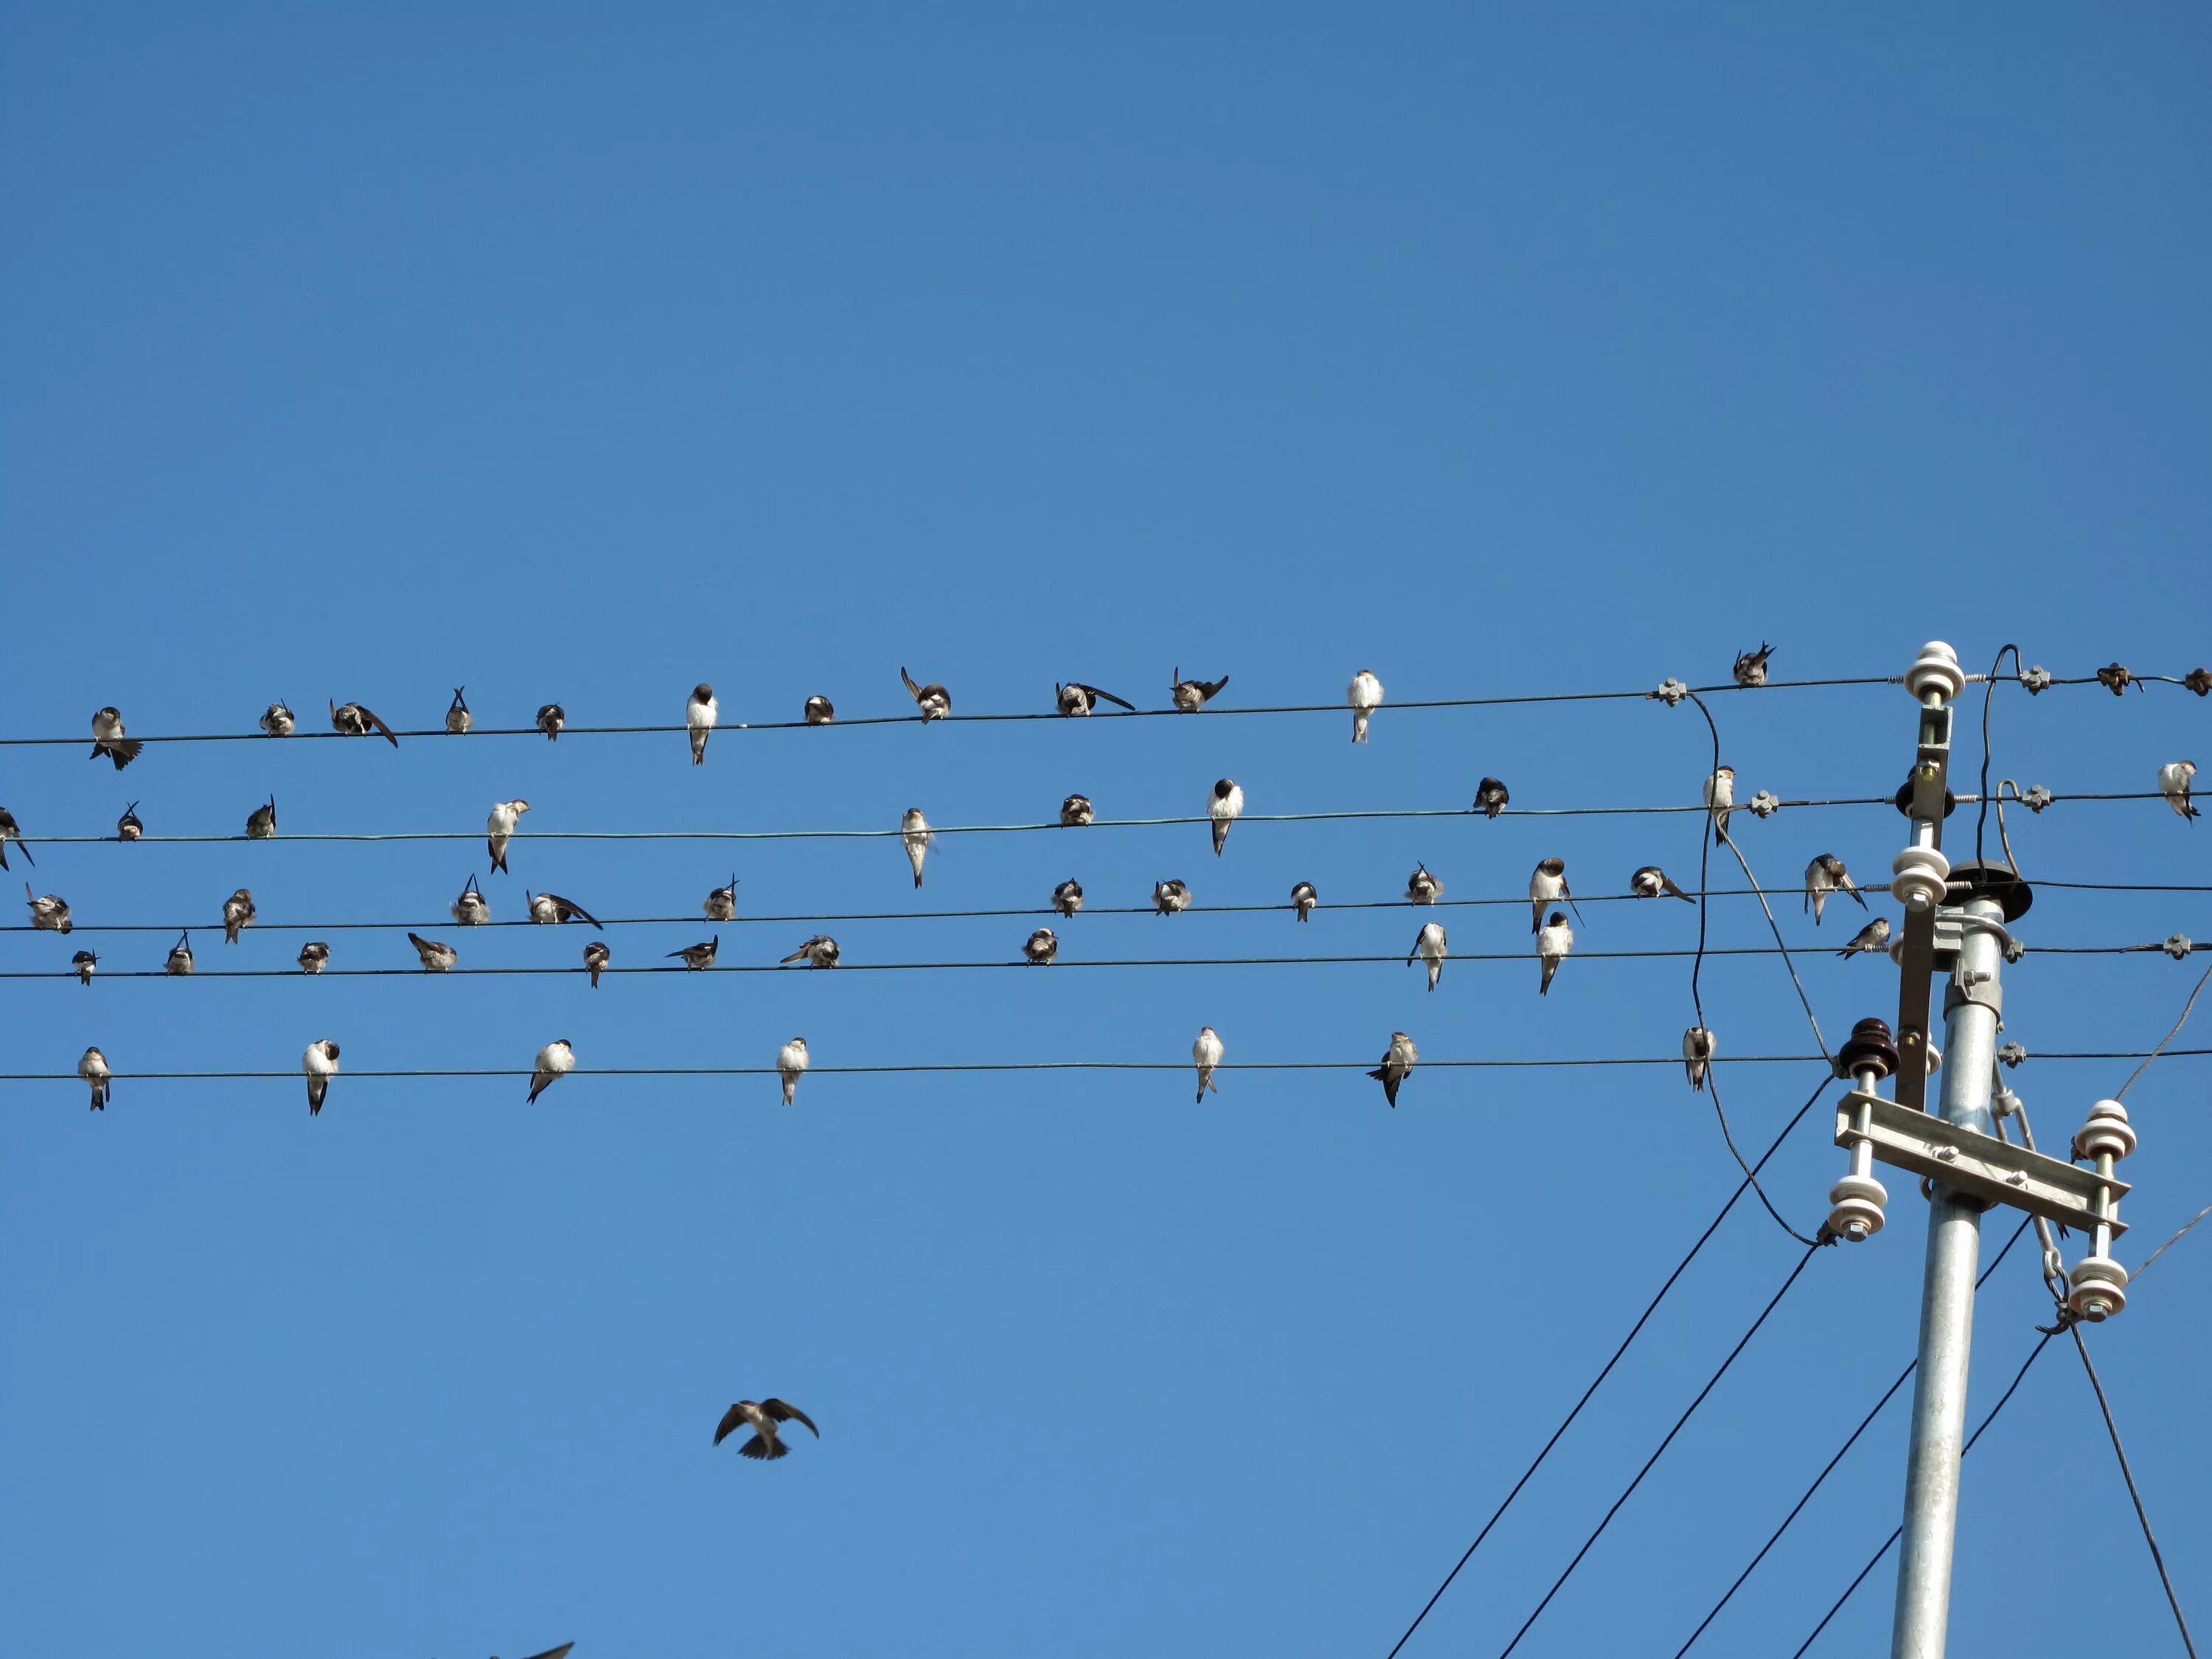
{"points": [[1214, 690], [799, 954], [1108, 697], [784, 1412], [370, 716], [572, 908], [732, 1418], [913, 690]]}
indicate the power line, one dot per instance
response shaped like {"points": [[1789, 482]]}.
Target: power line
{"points": [[2150, 1538]]}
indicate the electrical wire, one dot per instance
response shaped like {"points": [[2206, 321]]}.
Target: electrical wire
{"points": [[1982, 792], [2180, 1233], [2170, 1036], [2158, 1560]]}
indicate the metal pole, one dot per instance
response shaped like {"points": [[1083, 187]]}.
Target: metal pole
{"points": [[1946, 1312]]}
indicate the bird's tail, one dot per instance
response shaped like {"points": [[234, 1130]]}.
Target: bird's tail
{"points": [[790, 1090], [763, 1448], [1220, 835], [1435, 968]]}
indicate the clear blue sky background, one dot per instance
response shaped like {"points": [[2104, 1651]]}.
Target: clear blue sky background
{"points": [[576, 357]]}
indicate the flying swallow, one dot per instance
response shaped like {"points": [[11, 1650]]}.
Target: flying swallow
{"points": [[1429, 945], [1191, 695], [1067, 897], [551, 910], [1422, 888], [1720, 797], [438, 957], [1698, 1047], [1553, 942], [699, 717], [278, 720], [1873, 937], [180, 961], [10, 830], [470, 909], [1169, 896], [238, 912], [2173, 783], [1365, 695], [550, 719], [1547, 884], [699, 957], [820, 951], [83, 963], [1075, 812], [314, 957], [499, 828], [1224, 806], [915, 830], [596, 956], [351, 719], [1823, 875], [1074, 699], [1205, 1054], [820, 711], [1750, 665], [129, 826], [107, 739], [1491, 797], [1303, 898], [1652, 882], [761, 1416], [791, 1064], [1041, 947], [261, 823], [50, 912], [554, 1060], [320, 1063], [93, 1068], [722, 904], [934, 700], [1397, 1063], [457, 718]]}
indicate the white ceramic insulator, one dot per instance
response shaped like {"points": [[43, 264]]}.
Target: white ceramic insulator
{"points": [[1935, 669], [1919, 878], [2106, 1131], [2100, 1288], [1856, 1207]]}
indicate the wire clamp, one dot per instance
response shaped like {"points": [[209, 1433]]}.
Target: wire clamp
{"points": [[2036, 679], [1764, 805], [2176, 946], [1671, 691], [2036, 798]]}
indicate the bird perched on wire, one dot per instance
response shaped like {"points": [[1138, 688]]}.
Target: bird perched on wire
{"points": [[457, 718], [93, 1068], [437, 958], [916, 833], [699, 957], [1224, 806], [1397, 1065], [470, 909], [1303, 898], [1169, 896], [722, 904], [791, 1063], [1041, 947], [554, 1061], [1205, 1054], [314, 957], [10, 830], [129, 827], [1823, 875], [1750, 665], [1365, 695], [320, 1063], [1075, 812], [1074, 699], [352, 719], [934, 700], [1422, 888], [83, 963], [1554, 941], [1429, 945], [1698, 1047], [1547, 884], [50, 912], [1067, 897], [761, 1416], [1720, 798], [107, 739], [551, 910], [820, 951], [1652, 882], [1489, 798], [700, 715], [1871, 938], [1191, 695], [499, 830], [2116, 679], [278, 722], [596, 956], [820, 711], [238, 913], [180, 961], [551, 717], [2173, 783], [261, 822]]}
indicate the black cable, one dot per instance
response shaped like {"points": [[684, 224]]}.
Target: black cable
{"points": [[2134, 1497], [1989, 695]]}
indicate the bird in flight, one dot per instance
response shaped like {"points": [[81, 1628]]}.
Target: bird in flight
{"points": [[761, 1416]]}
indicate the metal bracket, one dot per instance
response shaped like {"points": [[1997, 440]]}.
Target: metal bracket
{"points": [[1987, 992], [1979, 1165]]}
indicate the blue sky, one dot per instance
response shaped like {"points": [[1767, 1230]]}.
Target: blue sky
{"points": [[578, 358]]}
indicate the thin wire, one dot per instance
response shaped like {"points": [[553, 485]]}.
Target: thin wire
{"points": [[2158, 1560], [1989, 695], [2176, 1238], [1802, 1262], [2169, 1037], [1635, 1330]]}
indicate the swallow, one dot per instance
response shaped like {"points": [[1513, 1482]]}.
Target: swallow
{"points": [[1429, 945], [2173, 783], [129, 826], [820, 711], [596, 956], [1224, 807], [1191, 695], [1823, 875], [820, 951], [10, 830], [1365, 695], [1041, 947], [314, 957], [1074, 699], [93, 1068], [1652, 882], [437, 956], [722, 904], [698, 957], [761, 1416], [261, 822], [1397, 1062], [1554, 940], [915, 830], [1720, 797], [791, 1064], [180, 961], [551, 910], [50, 913], [107, 739], [934, 700], [1698, 1047], [278, 720], [320, 1063], [457, 718], [1169, 896], [83, 963], [1422, 888], [554, 1061], [1546, 885], [1067, 897], [499, 828], [1489, 798], [1303, 898], [1750, 665], [351, 719], [470, 909], [238, 913], [551, 717], [1205, 1054], [1075, 812], [2112, 676], [1873, 937], [699, 717]]}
